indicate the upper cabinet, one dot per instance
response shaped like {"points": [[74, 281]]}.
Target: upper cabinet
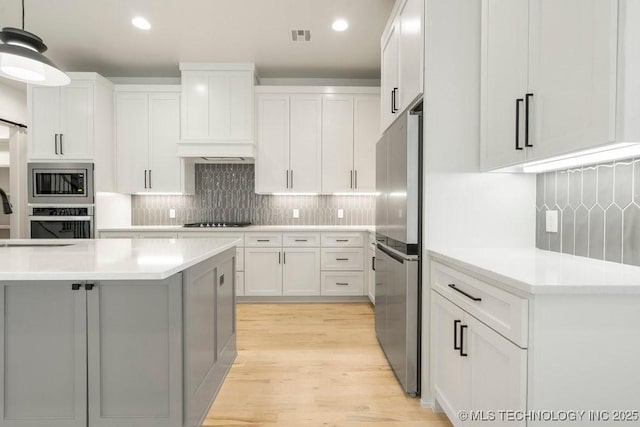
{"points": [[549, 72], [147, 133], [74, 123], [402, 65], [311, 141], [217, 109]]}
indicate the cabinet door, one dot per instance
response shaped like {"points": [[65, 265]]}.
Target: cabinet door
{"points": [[451, 372], [76, 121], [505, 36], [411, 52], [305, 152], [195, 105], [498, 372], [164, 133], [390, 73], [230, 96], [301, 271], [366, 133], [132, 142], [44, 109], [135, 353], [43, 350], [225, 304], [272, 162], [572, 74], [263, 271], [337, 143]]}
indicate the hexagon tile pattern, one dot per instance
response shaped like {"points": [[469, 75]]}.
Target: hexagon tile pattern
{"points": [[225, 192], [598, 211]]}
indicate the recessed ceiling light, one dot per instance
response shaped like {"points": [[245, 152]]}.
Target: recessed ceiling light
{"points": [[140, 22], [340, 25]]}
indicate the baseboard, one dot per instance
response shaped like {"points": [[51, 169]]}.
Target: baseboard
{"points": [[311, 299], [426, 404]]}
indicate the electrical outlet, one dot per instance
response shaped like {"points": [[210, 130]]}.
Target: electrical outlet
{"points": [[340, 213], [172, 213], [296, 213], [552, 221]]}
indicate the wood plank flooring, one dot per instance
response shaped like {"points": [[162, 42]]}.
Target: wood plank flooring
{"points": [[313, 365]]}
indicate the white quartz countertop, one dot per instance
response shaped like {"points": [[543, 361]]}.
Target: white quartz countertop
{"points": [[105, 259], [534, 271], [179, 228]]}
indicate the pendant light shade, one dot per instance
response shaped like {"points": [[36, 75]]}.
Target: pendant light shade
{"points": [[21, 59]]}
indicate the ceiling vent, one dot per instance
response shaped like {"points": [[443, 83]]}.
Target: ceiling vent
{"points": [[300, 35]]}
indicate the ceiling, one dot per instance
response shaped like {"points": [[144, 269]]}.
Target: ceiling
{"points": [[97, 35]]}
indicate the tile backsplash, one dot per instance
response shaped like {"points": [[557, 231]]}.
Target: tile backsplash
{"points": [[598, 211], [225, 192]]}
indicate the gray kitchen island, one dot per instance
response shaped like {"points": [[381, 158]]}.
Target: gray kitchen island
{"points": [[114, 333]]}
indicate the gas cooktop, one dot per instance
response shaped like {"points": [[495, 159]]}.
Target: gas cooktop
{"points": [[217, 224]]}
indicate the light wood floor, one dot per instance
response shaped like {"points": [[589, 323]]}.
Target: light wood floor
{"points": [[313, 365]]}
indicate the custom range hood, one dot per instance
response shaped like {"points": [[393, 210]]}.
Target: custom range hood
{"points": [[217, 112]]}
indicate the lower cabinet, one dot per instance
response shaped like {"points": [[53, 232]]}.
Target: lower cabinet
{"points": [[301, 271], [475, 368], [263, 271]]}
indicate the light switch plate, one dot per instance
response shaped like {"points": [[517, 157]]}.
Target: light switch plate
{"points": [[172, 213], [296, 213], [551, 221], [340, 213]]}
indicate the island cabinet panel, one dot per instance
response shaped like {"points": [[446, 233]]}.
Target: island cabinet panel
{"points": [[42, 355], [135, 353]]}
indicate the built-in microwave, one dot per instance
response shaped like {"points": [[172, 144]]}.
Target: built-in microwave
{"points": [[61, 183]]}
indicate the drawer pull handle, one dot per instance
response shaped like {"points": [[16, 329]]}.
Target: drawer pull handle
{"points": [[264, 240], [342, 259], [301, 240], [342, 284], [462, 329], [471, 297], [455, 334], [342, 240]]}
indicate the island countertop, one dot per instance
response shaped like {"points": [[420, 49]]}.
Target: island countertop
{"points": [[105, 259]]}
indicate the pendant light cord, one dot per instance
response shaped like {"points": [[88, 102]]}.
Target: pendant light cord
{"points": [[22, 15]]}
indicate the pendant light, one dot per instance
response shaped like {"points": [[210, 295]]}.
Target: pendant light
{"points": [[21, 58]]}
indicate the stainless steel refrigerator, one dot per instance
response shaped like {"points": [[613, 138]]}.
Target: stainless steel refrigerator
{"points": [[398, 247]]}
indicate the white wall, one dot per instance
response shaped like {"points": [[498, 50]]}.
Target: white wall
{"points": [[13, 102], [463, 207]]}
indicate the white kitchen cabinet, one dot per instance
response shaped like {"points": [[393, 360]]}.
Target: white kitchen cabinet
{"points": [[43, 346], [263, 271], [147, 132], [289, 143], [217, 106], [548, 78], [301, 271], [475, 368], [402, 65], [366, 133]]}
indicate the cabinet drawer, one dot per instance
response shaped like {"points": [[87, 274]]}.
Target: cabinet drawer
{"points": [[309, 240], [340, 240], [342, 259], [239, 259], [263, 240], [502, 311], [212, 235], [342, 283]]}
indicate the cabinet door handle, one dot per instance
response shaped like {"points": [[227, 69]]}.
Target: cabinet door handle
{"points": [[61, 145], [264, 240], [150, 186], [145, 178], [526, 120], [356, 179], [471, 297], [455, 334], [351, 179], [291, 178], [394, 107], [222, 280], [342, 284], [284, 257], [373, 263], [279, 258], [286, 173], [518, 102], [56, 143], [342, 240], [462, 329], [342, 259], [301, 240]]}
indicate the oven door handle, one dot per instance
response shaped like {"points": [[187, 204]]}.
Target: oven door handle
{"points": [[60, 218]]}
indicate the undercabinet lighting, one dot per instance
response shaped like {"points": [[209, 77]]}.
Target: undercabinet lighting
{"points": [[141, 23], [294, 194], [584, 158], [340, 25], [356, 194], [158, 194]]}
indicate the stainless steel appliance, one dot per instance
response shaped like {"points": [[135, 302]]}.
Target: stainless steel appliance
{"points": [[60, 183], [398, 236], [217, 224], [71, 222]]}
